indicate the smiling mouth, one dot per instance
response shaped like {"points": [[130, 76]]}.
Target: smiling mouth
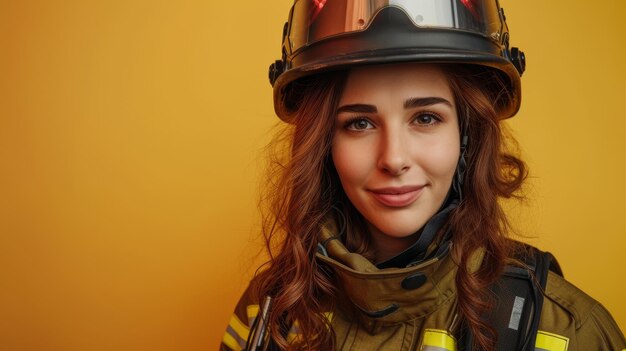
{"points": [[397, 196]]}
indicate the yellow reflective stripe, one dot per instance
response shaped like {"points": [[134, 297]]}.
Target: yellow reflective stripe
{"points": [[291, 337], [294, 333], [439, 338], [551, 342], [229, 341], [252, 311], [241, 329]]}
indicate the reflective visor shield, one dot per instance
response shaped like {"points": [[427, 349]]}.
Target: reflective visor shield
{"points": [[314, 20]]}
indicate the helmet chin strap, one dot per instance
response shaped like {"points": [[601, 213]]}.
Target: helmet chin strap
{"points": [[461, 166], [456, 189], [416, 253]]}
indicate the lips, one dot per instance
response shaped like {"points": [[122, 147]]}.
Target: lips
{"points": [[397, 196]]}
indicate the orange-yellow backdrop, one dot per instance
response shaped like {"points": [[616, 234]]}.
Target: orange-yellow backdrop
{"points": [[130, 134]]}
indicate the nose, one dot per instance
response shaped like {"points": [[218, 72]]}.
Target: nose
{"points": [[393, 156]]}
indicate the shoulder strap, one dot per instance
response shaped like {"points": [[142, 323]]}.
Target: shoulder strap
{"points": [[518, 299], [544, 262]]}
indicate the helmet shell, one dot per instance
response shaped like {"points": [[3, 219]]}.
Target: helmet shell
{"points": [[392, 37]]}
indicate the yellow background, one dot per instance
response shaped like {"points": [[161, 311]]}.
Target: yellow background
{"points": [[130, 139]]}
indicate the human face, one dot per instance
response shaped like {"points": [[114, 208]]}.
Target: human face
{"points": [[395, 147]]}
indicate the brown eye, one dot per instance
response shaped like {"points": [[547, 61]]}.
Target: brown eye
{"points": [[359, 124], [427, 118]]}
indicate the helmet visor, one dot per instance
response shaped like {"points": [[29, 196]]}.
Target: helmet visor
{"points": [[314, 20]]}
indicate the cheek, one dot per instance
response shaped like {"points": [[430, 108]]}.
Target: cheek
{"points": [[352, 160], [440, 163]]}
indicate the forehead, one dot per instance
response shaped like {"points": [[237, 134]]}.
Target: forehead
{"points": [[397, 81]]}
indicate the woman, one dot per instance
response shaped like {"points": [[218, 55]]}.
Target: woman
{"points": [[385, 230]]}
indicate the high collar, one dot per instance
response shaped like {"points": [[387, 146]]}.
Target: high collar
{"points": [[390, 295]]}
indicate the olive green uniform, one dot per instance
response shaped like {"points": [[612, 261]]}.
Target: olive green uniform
{"points": [[425, 318]]}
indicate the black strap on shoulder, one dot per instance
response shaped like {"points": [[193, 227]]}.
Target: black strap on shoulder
{"points": [[544, 262], [518, 299]]}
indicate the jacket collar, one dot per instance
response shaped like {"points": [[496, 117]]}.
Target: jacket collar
{"points": [[390, 295]]}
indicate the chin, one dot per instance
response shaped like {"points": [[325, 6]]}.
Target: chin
{"points": [[399, 229]]}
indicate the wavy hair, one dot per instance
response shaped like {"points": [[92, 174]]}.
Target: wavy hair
{"points": [[302, 187]]}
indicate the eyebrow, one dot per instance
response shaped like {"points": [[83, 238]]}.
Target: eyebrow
{"points": [[409, 103], [362, 108], [426, 101]]}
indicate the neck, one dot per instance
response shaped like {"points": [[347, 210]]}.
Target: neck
{"points": [[386, 246]]}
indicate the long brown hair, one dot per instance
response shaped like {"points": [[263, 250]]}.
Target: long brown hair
{"points": [[302, 189]]}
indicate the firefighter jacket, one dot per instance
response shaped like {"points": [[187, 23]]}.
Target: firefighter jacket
{"points": [[414, 308]]}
